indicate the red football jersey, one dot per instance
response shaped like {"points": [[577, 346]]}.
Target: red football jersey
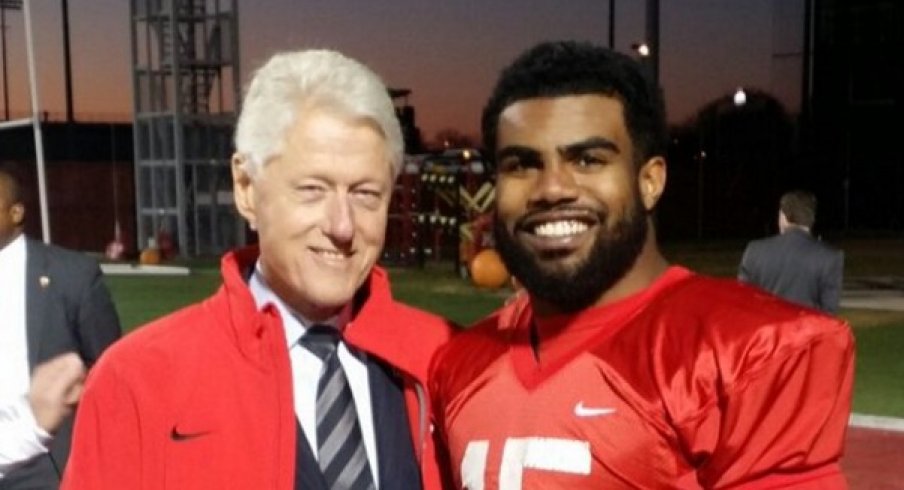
{"points": [[692, 383]]}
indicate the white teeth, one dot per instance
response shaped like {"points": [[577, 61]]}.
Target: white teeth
{"points": [[331, 254], [560, 228]]}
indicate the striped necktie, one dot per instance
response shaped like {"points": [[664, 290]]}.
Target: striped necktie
{"points": [[340, 447]]}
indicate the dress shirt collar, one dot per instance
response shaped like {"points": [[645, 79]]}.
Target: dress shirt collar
{"points": [[14, 252], [295, 324]]}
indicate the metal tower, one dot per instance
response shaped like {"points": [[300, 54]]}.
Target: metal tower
{"points": [[186, 90]]}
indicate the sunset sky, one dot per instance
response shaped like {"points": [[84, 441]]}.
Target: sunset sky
{"points": [[447, 53]]}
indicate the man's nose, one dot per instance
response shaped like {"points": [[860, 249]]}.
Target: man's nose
{"points": [[555, 183], [340, 219]]}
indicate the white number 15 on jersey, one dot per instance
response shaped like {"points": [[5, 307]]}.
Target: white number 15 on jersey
{"points": [[538, 453]]}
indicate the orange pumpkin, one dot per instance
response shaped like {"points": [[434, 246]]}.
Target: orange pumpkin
{"points": [[149, 256], [487, 270]]}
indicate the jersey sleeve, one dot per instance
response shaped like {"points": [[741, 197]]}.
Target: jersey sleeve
{"points": [[782, 424]]}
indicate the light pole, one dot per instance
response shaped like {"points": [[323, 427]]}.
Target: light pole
{"points": [[700, 157], [652, 38], [611, 24], [67, 63]]}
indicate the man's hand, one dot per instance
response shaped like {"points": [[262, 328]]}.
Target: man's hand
{"points": [[56, 386]]}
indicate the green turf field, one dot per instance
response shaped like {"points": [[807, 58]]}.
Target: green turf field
{"points": [[880, 335], [878, 385], [435, 288]]}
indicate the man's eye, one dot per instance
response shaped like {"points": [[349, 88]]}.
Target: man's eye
{"points": [[368, 193], [589, 159], [517, 164], [309, 191], [368, 197], [509, 164]]}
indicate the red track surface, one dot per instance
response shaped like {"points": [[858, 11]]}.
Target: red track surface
{"points": [[874, 459]]}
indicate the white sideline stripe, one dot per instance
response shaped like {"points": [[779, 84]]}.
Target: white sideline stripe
{"points": [[145, 270], [876, 422]]}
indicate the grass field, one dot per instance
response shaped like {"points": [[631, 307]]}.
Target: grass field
{"points": [[435, 288], [880, 335]]}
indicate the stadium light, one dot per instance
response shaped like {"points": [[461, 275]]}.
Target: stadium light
{"points": [[740, 97], [643, 49]]}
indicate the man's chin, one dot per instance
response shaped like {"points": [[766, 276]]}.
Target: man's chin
{"points": [[559, 265]]}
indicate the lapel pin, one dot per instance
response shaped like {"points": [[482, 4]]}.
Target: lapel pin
{"points": [[44, 281]]}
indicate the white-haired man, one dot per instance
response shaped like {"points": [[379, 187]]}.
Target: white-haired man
{"points": [[301, 371]]}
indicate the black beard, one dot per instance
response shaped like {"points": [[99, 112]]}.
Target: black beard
{"points": [[614, 253]]}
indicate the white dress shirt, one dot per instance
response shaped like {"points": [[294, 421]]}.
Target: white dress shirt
{"points": [[306, 369], [20, 436]]}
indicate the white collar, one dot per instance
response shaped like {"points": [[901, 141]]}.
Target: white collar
{"points": [[295, 324], [14, 251]]}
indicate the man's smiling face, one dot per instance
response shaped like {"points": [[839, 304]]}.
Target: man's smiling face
{"points": [[320, 209], [570, 221]]}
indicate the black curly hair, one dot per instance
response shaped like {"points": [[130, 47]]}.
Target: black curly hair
{"points": [[563, 68]]}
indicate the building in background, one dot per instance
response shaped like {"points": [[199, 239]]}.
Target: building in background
{"points": [[90, 182]]}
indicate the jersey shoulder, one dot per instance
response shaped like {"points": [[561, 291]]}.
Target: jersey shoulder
{"points": [[733, 328], [472, 351]]}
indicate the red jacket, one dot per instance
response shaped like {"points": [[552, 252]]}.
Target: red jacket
{"points": [[202, 398]]}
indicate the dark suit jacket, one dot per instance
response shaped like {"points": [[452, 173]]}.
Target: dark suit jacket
{"points": [[797, 267], [67, 309]]}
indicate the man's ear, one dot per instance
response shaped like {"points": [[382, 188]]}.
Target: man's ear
{"points": [[243, 189], [17, 214], [651, 181]]}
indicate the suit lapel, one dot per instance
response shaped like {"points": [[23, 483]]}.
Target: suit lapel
{"points": [[395, 453], [35, 298], [307, 471]]}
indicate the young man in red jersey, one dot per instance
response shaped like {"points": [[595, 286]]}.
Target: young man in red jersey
{"points": [[618, 370]]}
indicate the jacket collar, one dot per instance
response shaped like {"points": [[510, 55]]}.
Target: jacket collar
{"points": [[797, 231], [233, 307], [376, 326], [381, 327]]}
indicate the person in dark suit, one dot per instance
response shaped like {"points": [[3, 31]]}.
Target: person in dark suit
{"points": [[54, 306], [794, 264]]}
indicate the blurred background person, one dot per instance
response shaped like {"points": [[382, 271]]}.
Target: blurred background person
{"points": [[794, 264], [53, 301]]}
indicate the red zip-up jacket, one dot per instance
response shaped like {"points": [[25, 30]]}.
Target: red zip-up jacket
{"points": [[202, 398]]}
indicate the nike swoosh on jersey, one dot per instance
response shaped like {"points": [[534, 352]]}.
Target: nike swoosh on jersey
{"points": [[581, 411], [179, 436]]}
